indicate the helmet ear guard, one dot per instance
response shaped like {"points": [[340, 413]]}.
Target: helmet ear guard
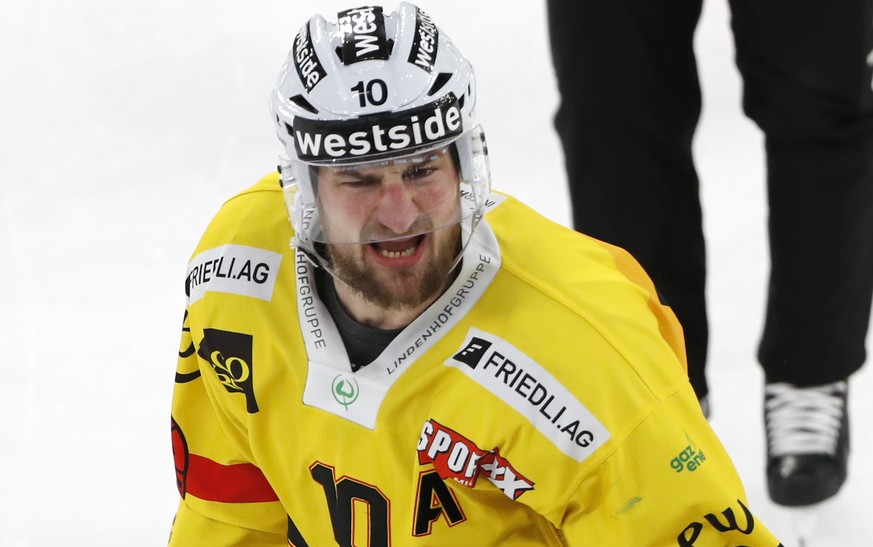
{"points": [[474, 167]]}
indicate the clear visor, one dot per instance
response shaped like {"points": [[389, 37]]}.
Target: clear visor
{"points": [[388, 200]]}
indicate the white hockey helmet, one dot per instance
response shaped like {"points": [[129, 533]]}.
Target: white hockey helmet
{"points": [[374, 88]]}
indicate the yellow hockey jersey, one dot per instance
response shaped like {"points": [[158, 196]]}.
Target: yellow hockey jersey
{"points": [[541, 400]]}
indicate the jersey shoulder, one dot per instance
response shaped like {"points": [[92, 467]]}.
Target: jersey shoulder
{"points": [[242, 251], [254, 217], [596, 294], [552, 257]]}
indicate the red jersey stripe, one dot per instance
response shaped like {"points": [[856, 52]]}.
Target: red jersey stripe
{"points": [[237, 483]]}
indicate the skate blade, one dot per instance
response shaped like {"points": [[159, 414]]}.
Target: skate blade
{"points": [[805, 520]]}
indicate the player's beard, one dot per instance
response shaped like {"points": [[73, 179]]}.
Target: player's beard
{"points": [[400, 288]]}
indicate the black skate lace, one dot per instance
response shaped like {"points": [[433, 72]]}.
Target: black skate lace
{"points": [[803, 420]]}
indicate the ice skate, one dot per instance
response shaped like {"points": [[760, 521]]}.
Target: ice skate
{"points": [[807, 442]]}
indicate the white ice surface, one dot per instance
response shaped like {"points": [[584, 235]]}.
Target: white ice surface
{"points": [[125, 124]]}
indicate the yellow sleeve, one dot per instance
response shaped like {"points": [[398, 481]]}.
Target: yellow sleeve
{"points": [[669, 483], [225, 498], [668, 325]]}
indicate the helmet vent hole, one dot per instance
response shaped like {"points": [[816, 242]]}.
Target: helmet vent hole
{"points": [[300, 101], [441, 80]]}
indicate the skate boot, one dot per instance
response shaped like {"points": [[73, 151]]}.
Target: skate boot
{"points": [[807, 441]]}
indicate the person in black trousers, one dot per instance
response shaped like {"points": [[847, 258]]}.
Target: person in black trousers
{"points": [[630, 102]]}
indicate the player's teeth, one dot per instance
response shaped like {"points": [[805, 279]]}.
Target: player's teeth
{"points": [[398, 254]]}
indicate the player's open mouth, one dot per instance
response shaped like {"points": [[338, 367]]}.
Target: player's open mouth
{"points": [[399, 253], [398, 248]]}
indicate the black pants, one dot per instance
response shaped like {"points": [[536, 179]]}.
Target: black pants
{"points": [[630, 102]]}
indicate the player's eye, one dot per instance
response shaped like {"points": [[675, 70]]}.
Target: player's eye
{"points": [[418, 172], [361, 183]]}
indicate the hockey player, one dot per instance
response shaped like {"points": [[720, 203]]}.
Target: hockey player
{"points": [[429, 363]]}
